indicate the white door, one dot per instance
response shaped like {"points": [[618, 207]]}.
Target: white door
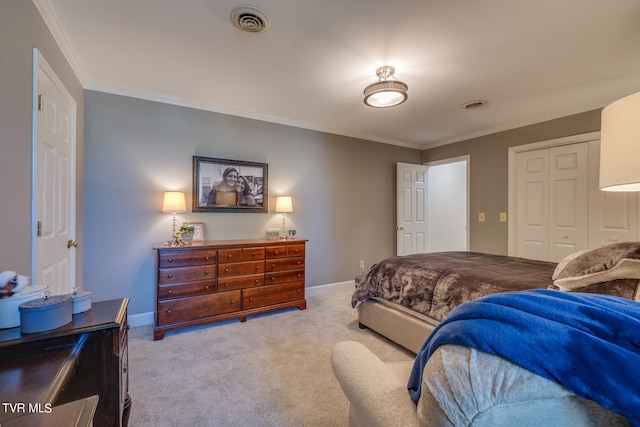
{"points": [[54, 180], [447, 205], [568, 200], [411, 227], [612, 215], [532, 223], [552, 205]]}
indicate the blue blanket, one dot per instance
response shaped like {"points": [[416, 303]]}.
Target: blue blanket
{"points": [[588, 343]]}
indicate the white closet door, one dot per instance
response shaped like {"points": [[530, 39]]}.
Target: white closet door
{"points": [[613, 214], [568, 200], [532, 224]]}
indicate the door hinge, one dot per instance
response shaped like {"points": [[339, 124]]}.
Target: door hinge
{"points": [[39, 229], [39, 102]]}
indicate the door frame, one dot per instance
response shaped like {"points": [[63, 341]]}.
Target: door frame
{"points": [[512, 179], [464, 158], [40, 63]]}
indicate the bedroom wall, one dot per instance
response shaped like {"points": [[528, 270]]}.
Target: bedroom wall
{"points": [[489, 172], [343, 190], [22, 29]]}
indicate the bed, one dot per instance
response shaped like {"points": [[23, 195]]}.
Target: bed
{"points": [[404, 298]]}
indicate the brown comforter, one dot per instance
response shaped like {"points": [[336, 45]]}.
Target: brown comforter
{"points": [[434, 284]]}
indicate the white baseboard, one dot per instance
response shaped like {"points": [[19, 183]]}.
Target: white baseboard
{"points": [[141, 319], [144, 319]]}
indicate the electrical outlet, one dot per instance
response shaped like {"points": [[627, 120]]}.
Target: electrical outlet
{"points": [[361, 266]]}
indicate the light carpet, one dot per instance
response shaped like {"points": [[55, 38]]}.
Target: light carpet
{"points": [[272, 370]]}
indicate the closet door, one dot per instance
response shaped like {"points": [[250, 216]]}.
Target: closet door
{"points": [[613, 215], [568, 200], [532, 224]]}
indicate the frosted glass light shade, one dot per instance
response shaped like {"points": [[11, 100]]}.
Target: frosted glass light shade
{"points": [[620, 145], [284, 204], [173, 201]]}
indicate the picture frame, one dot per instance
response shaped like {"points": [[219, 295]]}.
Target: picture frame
{"points": [[198, 232], [223, 185]]}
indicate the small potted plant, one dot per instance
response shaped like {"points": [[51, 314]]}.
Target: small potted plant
{"points": [[186, 232]]}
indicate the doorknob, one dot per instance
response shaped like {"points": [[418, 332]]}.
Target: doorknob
{"points": [[399, 227], [71, 243]]}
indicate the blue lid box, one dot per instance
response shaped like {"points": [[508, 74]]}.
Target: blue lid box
{"points": [[41, 315]]}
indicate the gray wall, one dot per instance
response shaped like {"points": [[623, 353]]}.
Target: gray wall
{"points": [[489, 172], [22, 29], [343, 190]]}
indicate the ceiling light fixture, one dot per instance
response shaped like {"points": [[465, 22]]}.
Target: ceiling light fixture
{"points": [[388, 92]]}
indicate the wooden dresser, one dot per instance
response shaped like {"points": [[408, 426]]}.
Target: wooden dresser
{"points": [[41, 372], [227, 279]]}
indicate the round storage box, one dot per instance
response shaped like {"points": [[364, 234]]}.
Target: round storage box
{"points": [[81, 302], [9, 307], [45, 314]]}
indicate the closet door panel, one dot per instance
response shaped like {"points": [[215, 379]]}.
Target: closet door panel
{"points": [[613, 215], [532, 205], [568, 200]]}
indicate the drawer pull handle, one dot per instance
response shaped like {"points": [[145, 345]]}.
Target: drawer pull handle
{"points": [[257, 281], [299, 274], [295, 251], [276, 252], [206, 258], [170, 260], [226, 270], [257, 267], [233, 301], [273, 265], [273, 278], [229, 256], [250, 298], [226, 285], [170, 291], [206, 286], [170, 275], [169, 311], [206, 272], [299, 262], [253, 254]]}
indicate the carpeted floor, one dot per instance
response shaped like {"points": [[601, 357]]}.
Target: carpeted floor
{"points": [[273, 370]]}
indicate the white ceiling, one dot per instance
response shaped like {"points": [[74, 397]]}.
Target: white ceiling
{"points": [[532, 60]]}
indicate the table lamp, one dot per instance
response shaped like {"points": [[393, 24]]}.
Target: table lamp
{"points": [[284, 205], [620, 145], [173, 202]]}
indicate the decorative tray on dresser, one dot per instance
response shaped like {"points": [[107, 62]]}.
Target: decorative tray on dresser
{"points": [[227, 279]]}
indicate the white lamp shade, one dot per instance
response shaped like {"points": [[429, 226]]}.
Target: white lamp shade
{"points": [[620, 145], [173, 201], [284, 204]]}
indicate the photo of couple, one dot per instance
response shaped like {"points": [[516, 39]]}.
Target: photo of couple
{"points": [[228, 185]]}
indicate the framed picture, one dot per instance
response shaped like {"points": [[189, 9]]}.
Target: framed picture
{"points": [[198, 232], [221, 185]]}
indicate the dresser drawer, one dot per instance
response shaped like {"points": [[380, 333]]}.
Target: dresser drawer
{"points": [[233, 283], [186, 274], [186, 289], [183, 258], [295, 250], [230, 255], [284, 264], [276, 252], [284, 277], [190, 308], [253, 254], [240, 269], [268, 295]]}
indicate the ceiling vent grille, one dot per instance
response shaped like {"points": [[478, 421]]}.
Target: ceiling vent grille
{"points": [[250, 18], [476, 104]]}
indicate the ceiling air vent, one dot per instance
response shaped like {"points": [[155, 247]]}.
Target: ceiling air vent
{"points": [[250, 18], [476, 104]]}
